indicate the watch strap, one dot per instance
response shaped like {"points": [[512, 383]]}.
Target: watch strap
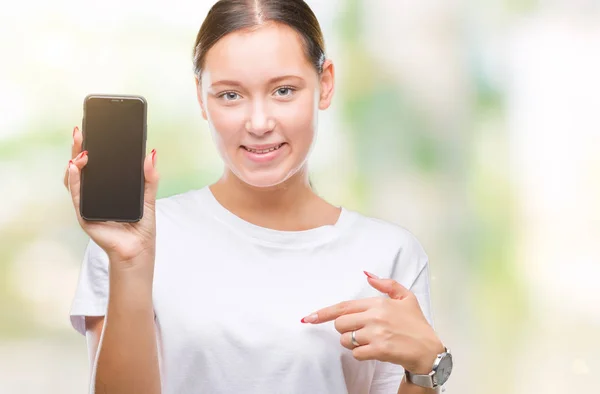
{"points": [[420, 380]]}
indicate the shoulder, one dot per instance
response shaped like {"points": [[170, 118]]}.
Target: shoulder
{"points": [[396, 251], [386, 234], [386, 231], [187, 204], [178, 200]]}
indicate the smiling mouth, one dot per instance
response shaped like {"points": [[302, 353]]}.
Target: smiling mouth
{"points": [[263, 151]]}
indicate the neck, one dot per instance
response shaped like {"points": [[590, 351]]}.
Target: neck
{"points": [[283, 206]]}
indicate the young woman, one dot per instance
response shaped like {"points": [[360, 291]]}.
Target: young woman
{"points": [[255, 284]]}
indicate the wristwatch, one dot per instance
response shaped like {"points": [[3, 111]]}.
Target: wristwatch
{"points": [[442, 367]]}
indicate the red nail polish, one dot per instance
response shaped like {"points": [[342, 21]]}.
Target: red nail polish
{"points": [[81, 155], [310, 319], [370, 275], [153, 157]]}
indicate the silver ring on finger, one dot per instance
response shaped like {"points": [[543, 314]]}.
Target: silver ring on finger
{"points": [[353, 339]]}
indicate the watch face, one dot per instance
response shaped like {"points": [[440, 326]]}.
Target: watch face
{"points": [[444, 369]]}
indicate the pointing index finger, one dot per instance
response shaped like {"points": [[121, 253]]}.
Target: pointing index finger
{"points": [[334, 311]]}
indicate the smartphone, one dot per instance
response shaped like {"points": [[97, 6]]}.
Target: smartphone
{"points": [[114, 134]]}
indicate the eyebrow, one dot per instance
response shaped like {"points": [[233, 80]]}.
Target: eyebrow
{"points": [[271, 81]]}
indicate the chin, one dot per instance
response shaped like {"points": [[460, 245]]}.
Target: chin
{"points": [[264, 179], [273, 173], [268, 173]]}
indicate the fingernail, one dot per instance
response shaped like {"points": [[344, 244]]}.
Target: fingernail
{"points": [[70, 163], [153, 157], [75, 130], [310, 319], [80, 155], [370, 275]]}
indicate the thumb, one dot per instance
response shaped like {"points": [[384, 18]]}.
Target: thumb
{"points": [[390, 287], [151, 179]]}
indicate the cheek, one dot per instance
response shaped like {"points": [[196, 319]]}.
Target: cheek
{"points": [[225, 122], [298, 121]]}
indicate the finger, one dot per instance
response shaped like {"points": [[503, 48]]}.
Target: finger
{"points": [[74, 178], [76, 147], [390, 287], [351, 322], [151, 177], [77, 143], [337, 310], [366, 352], [360, 336]]}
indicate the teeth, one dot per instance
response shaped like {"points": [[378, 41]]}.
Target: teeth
{"points": [[263, 151]]}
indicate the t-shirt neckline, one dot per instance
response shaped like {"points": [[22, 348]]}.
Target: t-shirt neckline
{"points": [[289, 239]]}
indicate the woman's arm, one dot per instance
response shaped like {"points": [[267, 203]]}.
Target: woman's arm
{"points": [[127, 360], [93, 332]]}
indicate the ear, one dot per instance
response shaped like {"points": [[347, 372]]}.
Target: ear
{"points": [[199, 95], [327, 82]]}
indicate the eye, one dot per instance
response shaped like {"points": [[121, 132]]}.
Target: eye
{"points": [[285, 91], [229, 96]]}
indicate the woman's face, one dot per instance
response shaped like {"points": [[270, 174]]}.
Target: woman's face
{"points": [[261, 97]]}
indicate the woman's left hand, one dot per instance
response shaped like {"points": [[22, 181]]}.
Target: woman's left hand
{"points": [[390, 329]]}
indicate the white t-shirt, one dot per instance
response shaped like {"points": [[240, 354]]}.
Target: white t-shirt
{"points": [[229, 295]]}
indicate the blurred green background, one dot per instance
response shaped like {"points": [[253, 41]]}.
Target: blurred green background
{"points": [[473, 124]]}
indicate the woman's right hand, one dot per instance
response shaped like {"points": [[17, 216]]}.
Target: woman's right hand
{"points": [[120, 240]]}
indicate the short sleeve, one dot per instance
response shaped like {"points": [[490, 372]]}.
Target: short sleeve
{"points": [[387, 376], [91, 294]]}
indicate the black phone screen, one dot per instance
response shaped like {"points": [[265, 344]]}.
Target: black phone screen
{"points": [[114, 134]]}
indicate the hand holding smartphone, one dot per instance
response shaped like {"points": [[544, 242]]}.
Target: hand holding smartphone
{"points": [[112, 182]]}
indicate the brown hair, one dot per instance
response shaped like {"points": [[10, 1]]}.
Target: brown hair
{"points": [[227, 16]]}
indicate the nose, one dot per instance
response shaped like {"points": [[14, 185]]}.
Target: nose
{"points": [[259, 122]]}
